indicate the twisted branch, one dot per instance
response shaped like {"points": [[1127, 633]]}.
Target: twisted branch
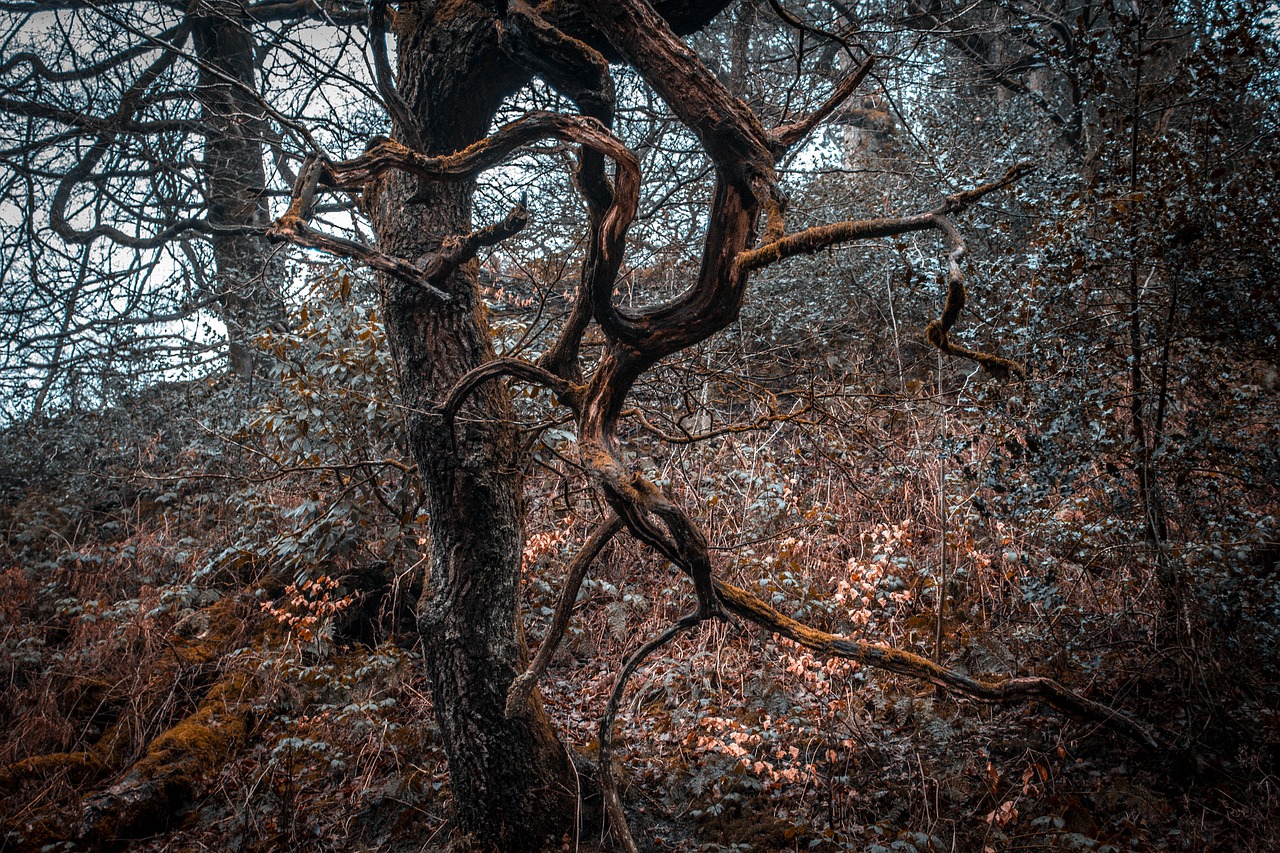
{"points": [[936, 332], [477, 376], [386, 155]]}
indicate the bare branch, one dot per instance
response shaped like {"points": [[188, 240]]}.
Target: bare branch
{"points": [[820, 237], [609, 233], [130, 102], [298, 232], [386, 155], [746, 605], [396, 106], [729, 131], [957, 202], [800, 26], [294, 227], [580, 73], [521, 689], [773, 417], [44, 72], [476, 377], [789, 134]]}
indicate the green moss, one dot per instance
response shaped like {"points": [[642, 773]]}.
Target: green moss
{"points": [[163, 781]]}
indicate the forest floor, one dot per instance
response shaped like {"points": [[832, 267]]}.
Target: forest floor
{"points": [[206, 640]]}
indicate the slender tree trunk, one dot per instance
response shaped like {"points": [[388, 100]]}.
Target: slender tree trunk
{"points": [[513, 784], [246, 281]]}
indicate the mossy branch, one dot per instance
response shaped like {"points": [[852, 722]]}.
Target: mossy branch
{"points": [[160, 783], [742, 603]]}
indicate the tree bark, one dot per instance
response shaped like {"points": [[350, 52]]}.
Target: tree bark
{"points": [[513, 784]]}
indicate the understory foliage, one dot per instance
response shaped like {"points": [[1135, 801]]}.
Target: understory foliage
{"points": [[168, 548]]}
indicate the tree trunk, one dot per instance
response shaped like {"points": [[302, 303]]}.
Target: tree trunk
{"points": [[246, 281], [513, 784]]}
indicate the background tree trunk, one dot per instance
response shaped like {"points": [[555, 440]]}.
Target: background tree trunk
{"points": [[246, 281]]}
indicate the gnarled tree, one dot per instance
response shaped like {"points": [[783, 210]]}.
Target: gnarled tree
{"points": [[457, 62]]}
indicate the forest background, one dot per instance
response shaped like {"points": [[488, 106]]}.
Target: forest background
{"points": [[219, 547]]}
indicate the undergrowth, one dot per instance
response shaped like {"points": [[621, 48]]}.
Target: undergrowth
{"points": [[177, 543]]}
